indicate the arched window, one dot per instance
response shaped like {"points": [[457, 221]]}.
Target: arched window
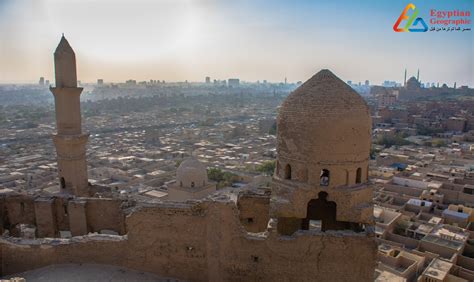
{"points": [[359, 175], [287, 171], [63, 183], [192, 184], [324, 177], [181, 184]]}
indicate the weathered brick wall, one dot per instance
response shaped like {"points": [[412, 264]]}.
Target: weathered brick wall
{"points": [[253, 212], [18, 209], [105, 214], [206, 242], [17, 258], [53, 214]]}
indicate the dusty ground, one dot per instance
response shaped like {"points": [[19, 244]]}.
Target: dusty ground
{"points": [[87, 272]]}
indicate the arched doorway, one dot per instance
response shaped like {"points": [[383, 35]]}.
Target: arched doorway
{"points": [[287, 171], [358, 175], [322, 211]]}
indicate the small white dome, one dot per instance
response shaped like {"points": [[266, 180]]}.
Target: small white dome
{"points": [[191, 173]]}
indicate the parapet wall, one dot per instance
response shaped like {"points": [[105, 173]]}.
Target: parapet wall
{"points": [[50, 215], [204, 241]]}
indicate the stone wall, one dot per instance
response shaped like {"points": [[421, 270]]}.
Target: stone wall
{"points": [[20, 209], [105, 214], [204, 241], [253, 211], [51, 215]]}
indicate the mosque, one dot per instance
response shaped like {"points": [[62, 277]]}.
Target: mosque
{"points": [[316, 224]]}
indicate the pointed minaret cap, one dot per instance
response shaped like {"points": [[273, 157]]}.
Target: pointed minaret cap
{"points": [[63, 46], [65, 65]]}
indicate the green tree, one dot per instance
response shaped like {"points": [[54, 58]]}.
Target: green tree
{"points": [[273, 129], [267, 167], [223, 178], [389, 141], [439, 143]]}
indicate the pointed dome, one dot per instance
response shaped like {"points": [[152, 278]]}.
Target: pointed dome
{"points": [[323, 91], [324, 120], [191, 173], [65, 65]]}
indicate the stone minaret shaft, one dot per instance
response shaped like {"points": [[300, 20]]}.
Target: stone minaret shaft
{"points": [[69, 140]]}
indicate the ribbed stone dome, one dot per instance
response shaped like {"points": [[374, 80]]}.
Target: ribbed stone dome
{"points": [[324, 120], [191, 173]]}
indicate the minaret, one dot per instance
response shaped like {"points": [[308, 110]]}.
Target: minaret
{"points": [[405, 80], [69, 140], [418, 75]]}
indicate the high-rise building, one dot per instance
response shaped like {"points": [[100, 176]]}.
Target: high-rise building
{"points": [[233, 82], [100, 81], [69, 140], [208, 80], [41, 81]]}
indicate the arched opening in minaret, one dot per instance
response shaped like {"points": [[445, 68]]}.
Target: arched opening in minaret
{"points": [[324, 177], [288, 171], [63, 183], [320, 214], [359, 175], [192, 184]]}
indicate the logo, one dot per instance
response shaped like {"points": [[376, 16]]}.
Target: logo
{"points": [[414, 23]]}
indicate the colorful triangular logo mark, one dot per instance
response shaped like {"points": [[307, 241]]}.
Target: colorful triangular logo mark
{"points": [[412, 21]]}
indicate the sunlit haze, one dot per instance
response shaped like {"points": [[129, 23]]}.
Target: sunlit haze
{"points": [[177, 40]]}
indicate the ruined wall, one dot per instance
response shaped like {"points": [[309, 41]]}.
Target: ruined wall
{"points": [[105, 214], [205, 241], [62, 215], [53, 214], [253, 211], [18, 257], [169, 240], [18, 209]]}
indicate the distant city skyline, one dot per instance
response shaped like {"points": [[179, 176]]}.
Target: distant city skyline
{"points": [[251, 40]]}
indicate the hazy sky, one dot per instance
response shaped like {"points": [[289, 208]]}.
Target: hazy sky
{"points": [[254, 40]]}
